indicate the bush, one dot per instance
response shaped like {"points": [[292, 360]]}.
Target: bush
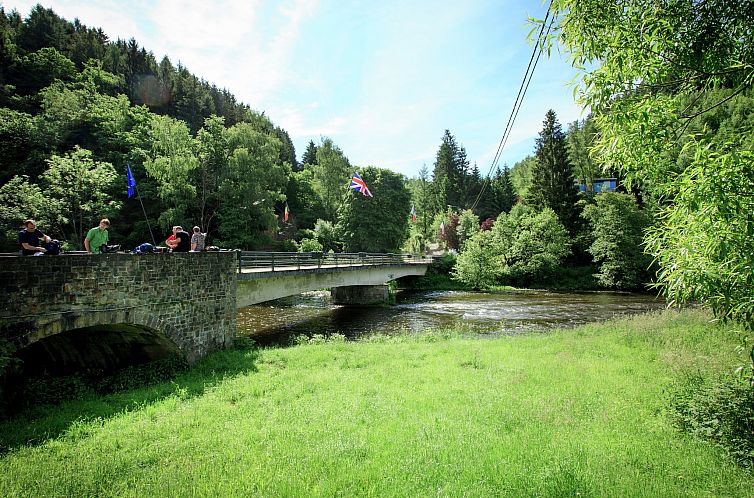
{"points": [[443, 265], [721, 411]]}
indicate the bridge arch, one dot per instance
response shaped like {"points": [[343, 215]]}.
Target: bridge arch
{"points": [[101, 347]]}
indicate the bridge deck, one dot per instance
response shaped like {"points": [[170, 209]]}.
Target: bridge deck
{"points": [[262, 262]]}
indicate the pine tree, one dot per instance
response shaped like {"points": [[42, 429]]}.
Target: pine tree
{"points": [[499, 197], [552, 183], [310, 154], [450, 173]]}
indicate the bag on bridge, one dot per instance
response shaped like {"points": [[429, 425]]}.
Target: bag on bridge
{"points": [[104, 248], [53, 247], [144, 248]]}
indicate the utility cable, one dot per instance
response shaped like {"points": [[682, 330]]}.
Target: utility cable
{"points": [[528, 74]]}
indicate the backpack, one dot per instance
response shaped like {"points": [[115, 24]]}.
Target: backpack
{"points": [[104, 248], [144, 248], [53, 247]]}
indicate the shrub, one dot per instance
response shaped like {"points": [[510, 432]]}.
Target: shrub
{"points": [[443, 265], [720, 411]]}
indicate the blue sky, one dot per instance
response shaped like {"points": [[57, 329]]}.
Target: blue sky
{"points": [[382, 79]]}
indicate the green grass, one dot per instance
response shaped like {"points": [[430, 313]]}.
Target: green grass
{"points": [[581, 412]]}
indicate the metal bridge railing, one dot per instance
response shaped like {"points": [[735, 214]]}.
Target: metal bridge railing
{"points": [[281, 261]]}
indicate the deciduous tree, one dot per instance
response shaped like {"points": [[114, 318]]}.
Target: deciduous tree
{"points": [[617, 230], [80, 191], [379, 223]]}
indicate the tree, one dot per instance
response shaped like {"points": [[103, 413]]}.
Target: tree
{"points": [[445, 226], [44, 28], [170, 162], [310, 154], [250, 186], [213, 159], [617, 230], [646, 70], [421, 197], [580, 140], [324, 232], [87, 44], [331, 175], [22, 142], [303, 202], [379, 223], [530, 244], [478, 264], [287, 150], [552, 183], [80, 192], [449, 174], [19, 200], [468, 226], [521, 177], [502, 196], [39, 69]]}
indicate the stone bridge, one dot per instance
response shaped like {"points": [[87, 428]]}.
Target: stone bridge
{"points": [[74, 312]]}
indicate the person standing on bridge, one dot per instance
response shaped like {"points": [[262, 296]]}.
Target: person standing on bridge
{"points": [[31, 239], [97, 237]]}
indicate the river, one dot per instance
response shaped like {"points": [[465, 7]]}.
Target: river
{"points": [[477, 313]]}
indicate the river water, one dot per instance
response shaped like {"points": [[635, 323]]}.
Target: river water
{"points": [[477, 313]]}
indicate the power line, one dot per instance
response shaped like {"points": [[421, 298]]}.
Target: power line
{"points": [[533, 60]]}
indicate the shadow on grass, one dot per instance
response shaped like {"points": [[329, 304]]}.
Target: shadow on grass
{"points": [[38, 424]]}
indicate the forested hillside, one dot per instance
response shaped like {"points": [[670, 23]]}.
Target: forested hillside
{"points": [[76, 107]]}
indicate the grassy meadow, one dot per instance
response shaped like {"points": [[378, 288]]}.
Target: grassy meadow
{"points": [[581, 412]]}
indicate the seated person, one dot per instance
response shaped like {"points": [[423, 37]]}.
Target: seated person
{"points": [[31, 239], [197, 240], [184, 240], [172, 241]]}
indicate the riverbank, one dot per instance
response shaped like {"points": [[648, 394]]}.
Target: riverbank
{"points": [[583, 411]]}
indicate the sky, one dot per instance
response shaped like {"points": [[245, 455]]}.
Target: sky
{"points": [[383, 80]]}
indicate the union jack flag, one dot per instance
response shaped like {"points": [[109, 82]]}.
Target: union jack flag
{"points": [[358, 185]]}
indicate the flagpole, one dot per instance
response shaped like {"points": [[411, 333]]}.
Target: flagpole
{"points": [[154, 243]]}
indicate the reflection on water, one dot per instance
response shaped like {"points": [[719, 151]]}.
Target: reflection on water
{"points": [[483, 313]]}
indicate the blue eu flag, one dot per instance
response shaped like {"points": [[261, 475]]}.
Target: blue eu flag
{"points": [[130, 180]]}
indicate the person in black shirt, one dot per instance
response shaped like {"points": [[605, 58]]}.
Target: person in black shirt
{"points": [[184, 240], [32, 239]]}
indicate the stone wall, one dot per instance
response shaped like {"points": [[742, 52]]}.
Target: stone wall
{"points": [[360, 294], [188, 297]]}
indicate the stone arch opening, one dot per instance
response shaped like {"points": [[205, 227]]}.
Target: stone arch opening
{"points": [[95, 349]]}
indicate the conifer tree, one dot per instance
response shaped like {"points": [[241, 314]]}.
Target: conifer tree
{"points": [[449, 175], [502, 193], [552, 183], [310, 154]]}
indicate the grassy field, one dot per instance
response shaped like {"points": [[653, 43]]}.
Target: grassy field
{"points": [[580, 412]]}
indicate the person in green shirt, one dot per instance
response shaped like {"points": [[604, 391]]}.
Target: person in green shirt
{"points": [[96, 237]]}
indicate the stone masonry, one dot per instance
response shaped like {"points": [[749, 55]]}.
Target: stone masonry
{"points": [[188, 297]]}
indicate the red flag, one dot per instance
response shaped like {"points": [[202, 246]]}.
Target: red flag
{"points": [[285, 214]]}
